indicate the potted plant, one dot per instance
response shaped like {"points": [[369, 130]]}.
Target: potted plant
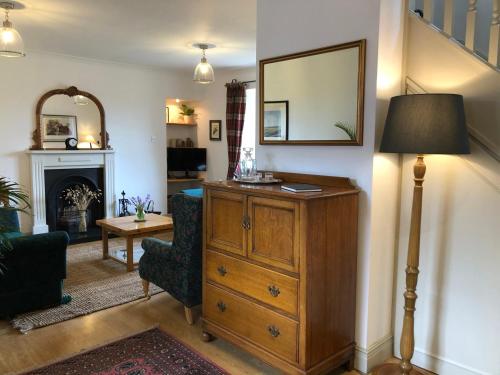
{"points": [[140, 205], [12, 197], [188, 113]]}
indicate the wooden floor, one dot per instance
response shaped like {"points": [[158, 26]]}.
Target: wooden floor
{"points": [[19, 352], [41, 346]]}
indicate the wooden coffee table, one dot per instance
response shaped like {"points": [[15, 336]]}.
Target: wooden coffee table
{"points": [[129, 229]]}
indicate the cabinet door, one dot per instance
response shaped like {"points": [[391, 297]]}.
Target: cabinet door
{"points": [[273, 236], [225, 215]]}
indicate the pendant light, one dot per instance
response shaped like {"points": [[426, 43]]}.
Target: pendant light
{"points": [[80, 100], [203, 73], [11, 43]]}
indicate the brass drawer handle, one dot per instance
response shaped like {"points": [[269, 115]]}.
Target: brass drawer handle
{"points": [[222, 270], [245, 222], [273, 290], [273, 330], [221, 306]]}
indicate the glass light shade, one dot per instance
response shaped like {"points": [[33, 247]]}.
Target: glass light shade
{"points": [[204, 73], [11, 43], [80, 100]]}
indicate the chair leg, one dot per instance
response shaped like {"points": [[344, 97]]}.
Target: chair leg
{"points": [[145, 287], [189, 315]]}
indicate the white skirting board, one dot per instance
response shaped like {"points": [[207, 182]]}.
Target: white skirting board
{"points": [[366, 359], [441, 365]]}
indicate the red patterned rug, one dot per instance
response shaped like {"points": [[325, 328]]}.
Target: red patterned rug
{"points": [[149, 353]]}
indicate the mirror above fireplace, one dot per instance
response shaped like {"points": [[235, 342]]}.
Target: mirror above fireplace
{"points": [[69, 113]]}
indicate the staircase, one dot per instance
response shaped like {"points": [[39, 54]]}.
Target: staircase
{"points": [[473, 24], [453, 46]]}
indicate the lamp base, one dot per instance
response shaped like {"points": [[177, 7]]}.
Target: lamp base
{"points": [[393, 369]]}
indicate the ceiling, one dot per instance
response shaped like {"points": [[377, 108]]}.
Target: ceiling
{"points": [[147, 32]]}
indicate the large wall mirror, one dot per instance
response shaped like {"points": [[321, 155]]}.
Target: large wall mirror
{"points": [[313, 97], [69, 113]]}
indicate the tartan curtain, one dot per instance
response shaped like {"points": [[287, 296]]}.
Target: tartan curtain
{"points": [[235, 116]]}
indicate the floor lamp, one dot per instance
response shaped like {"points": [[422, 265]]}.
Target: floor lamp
{"points": [[420, 124]]}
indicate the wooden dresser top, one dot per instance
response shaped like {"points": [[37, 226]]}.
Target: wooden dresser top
{"points": [[331, 186]]}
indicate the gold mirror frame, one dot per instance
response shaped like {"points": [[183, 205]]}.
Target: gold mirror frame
{"points": [[361, 44], [71, 92]]}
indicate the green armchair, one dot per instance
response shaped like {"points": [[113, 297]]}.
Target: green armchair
{"points": [[176, 266], [34, 267]]}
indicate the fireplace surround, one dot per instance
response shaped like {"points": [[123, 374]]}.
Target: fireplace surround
{"points": [[42, 161]]}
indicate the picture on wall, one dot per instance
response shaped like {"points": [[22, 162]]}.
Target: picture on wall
{"points": [[215, 130], [56, 128], [276, 120]]}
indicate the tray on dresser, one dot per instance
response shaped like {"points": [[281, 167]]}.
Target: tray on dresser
{"points": [[258, 181]]}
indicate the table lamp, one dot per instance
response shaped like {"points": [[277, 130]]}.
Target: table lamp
{"points": [[420, 124]]}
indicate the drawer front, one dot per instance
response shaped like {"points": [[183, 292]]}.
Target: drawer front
{"points": [[224, 228], [274, 232], [268, 286], [262, 326]]}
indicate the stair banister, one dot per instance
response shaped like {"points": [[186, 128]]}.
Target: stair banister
{"points": [[494, 44], [448, 17], [470, 25]]}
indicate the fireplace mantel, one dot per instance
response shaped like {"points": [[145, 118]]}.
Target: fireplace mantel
{"points": [[41, 160]]}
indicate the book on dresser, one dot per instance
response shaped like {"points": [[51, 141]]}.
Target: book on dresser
{"points": [[301, 188], [279, 271]]}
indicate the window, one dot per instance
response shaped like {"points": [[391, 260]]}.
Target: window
{"points": [[248, 136]]}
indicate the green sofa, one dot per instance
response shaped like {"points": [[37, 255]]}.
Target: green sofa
{"points": [[34, 267]]}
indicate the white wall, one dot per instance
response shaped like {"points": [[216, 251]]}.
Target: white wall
{"points": [[320, 23], [212, 106], [385, 186], [458, 306], [134, 102]]}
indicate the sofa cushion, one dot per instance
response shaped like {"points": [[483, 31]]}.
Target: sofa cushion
{"points": [[194, 192], [11, 235]]}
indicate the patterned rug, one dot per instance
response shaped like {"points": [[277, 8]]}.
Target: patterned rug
{"points": [[149, 353], [93, 283]]}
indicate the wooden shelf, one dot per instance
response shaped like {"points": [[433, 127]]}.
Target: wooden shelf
{"points": [[179, 124], [179, 180]]}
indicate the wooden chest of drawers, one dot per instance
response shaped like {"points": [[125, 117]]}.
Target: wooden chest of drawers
{"points": [[279, 271]]}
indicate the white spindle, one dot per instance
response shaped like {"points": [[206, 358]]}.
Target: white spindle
{"points": [[448, 17], [494, 34], [470, 26], [428, 10]]}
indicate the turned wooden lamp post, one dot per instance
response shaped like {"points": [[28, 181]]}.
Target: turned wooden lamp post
{"points": [[420, 124]]}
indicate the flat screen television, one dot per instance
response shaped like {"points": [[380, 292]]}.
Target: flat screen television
{"points": [[186, 159]]}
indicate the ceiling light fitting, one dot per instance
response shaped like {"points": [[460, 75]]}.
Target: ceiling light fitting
{"points": [[203, 73], [11, 43]]}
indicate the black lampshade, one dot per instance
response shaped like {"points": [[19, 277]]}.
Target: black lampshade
{"points": [[426, 124]]}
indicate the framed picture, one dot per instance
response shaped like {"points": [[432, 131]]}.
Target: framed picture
{"points": [[215, 130], [56, 128], [276, 120]]}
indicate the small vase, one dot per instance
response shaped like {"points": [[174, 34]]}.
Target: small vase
{"points": [[82, 227], [140, 214]]}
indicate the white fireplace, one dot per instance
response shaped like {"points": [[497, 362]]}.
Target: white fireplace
{"points": [[41, 160]]}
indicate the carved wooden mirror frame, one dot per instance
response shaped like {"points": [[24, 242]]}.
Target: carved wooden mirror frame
{"points": [[361, 44], [71, 92]]}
